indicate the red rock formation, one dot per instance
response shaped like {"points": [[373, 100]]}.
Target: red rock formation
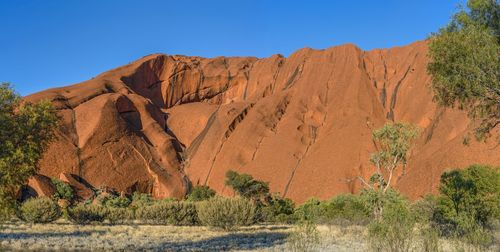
{"points": [[81, 189], [303, 123], [42, 186]]}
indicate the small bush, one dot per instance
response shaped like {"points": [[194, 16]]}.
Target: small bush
{"points": [[117, 202], [349, 207], [277, 209], [119, 215], [309, 211], [304, 238], [40, 210], [425, 209], [85, 214], [177, 213], [112, 199], [63, 190], [471, 235], [141, 199], [246, 186], [200, 192], [394, 231], [226, 213]]}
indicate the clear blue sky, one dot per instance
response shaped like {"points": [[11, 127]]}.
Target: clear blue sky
{"points": [[54, 43]]}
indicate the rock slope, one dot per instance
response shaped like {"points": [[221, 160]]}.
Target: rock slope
{"points": [[303, 123]]}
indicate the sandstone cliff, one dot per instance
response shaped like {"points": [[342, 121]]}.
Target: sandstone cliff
{"points": [[303, 123]]}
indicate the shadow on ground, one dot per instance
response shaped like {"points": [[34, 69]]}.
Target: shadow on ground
{"points": [[42, 235], [235, 241]]}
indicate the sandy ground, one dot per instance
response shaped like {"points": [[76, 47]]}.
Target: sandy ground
{"points": [[68, 237]]}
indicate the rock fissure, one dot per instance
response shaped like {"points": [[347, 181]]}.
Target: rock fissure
{"points": [[232, 126], [295, 76], [390, 114]]}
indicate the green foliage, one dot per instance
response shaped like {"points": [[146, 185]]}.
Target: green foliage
{"points": [[470, 199], [465, 63], [349, 207], [25, 131], [474, 190], [393, 141], [141, 199], [376, 200], [394, 231], [200, 192], [246, 186], [425, 209], [63, 190], [179, 213], [39, 210], [469, 233], [226, 213], [117, 202], [277, 209], [86, 214], [8, 206], [119, 215], [304, 238], [309, 210]]}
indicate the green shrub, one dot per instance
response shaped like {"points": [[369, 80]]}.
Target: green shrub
{"points": [[117, 202], [226, 213], [394, 231], [376, 200], [246, 186], [8, 206], [200, 192], [277, 209], [119, 215], [141, 199], [469, 234], [309, 211], [425, 209], [40, 210], [112, 199], [177, 213], [85, 214], [349, 207], [474, 192], [63, 190]]}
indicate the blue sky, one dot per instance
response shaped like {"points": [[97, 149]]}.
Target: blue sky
{"points": [[60, 42]]}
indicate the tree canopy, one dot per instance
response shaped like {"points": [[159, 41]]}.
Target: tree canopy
{"points": [[474, 191], [393, 143], [25, 131], [465, 64]]}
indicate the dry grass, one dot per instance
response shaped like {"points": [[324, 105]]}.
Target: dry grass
{"points": [[66, 236]]}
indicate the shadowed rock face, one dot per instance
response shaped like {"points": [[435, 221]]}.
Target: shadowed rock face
{"points": [[303, 123]]}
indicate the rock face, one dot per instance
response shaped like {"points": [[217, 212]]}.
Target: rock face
{"points": [[303, 123]]}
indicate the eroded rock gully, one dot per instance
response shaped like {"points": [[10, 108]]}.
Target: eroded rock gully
{"points": [[303, 123]]}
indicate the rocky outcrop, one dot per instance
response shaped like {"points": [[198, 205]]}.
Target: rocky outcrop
{"points": [[41, 186], [303, 123]]}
